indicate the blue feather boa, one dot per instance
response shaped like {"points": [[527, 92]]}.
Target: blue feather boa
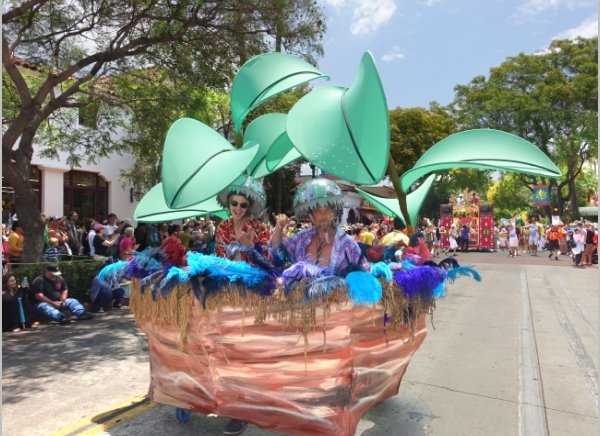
{"points": [[207, 274], [363, 288]]}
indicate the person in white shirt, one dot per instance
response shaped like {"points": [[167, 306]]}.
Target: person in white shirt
{"points": [[111, 226], [579, 235], [90, 239], [534, 237]]}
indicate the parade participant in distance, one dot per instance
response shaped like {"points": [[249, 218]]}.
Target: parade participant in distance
{"points": [[554, 235]]}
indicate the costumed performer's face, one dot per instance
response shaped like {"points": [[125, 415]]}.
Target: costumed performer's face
{"points": [[238, 206], [322, 218]]}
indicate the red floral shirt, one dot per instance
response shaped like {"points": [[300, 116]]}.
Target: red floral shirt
{"points": [[225, 235]]}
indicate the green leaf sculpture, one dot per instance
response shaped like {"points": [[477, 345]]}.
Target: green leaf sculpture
{"points": [[345, 131], [482, 149], [152, 208], [390, 206], [275, 148], [198, 163], [265, 76]]}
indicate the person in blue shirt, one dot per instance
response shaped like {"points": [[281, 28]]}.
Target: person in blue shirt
{"points": [[464, 238]]}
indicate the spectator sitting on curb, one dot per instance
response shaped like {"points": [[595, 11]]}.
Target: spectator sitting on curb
{"points": [[52, 295], [101, 294]]}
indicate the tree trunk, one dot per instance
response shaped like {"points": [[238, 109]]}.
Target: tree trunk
{"points": [[400, 194], [573, 195], [26, 206]]}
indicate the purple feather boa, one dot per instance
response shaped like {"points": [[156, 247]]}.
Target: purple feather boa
{"points": [[421, 281]]}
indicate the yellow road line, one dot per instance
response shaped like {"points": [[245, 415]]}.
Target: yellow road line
{"points": [[107, 420]]}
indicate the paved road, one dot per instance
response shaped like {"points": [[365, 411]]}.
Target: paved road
{"points": [[513, 355]]}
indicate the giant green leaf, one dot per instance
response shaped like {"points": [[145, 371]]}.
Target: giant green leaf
{"points": [[275, 148], [345, 131], [391, 207], [486, 149], [265, 76], [152, 208], [198, 163]]}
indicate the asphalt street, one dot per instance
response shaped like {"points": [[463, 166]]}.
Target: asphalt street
{"points": [[515, 354]]}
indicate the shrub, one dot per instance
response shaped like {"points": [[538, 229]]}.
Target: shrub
{"points": [[77, 273]]}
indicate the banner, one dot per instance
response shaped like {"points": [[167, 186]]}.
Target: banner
{"points": [[541, 195]]}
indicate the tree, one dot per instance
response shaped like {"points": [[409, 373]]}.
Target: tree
{"points": [[74, 46], [412, 132], [548, 98], [509, 196], [153, 99]]}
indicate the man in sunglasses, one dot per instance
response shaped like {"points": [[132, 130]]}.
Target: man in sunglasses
{"points": [[326, 244]]}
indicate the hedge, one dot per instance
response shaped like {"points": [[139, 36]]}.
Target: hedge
{"points": [[77, 273]]}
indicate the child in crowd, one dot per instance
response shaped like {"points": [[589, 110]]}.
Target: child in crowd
{"points": [[542, 241], [51, 252]]}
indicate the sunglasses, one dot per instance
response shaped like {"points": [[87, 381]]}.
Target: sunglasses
{"points": [[236, 204]]}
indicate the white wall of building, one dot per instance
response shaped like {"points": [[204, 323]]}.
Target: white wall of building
{"points": [[109, 167]]}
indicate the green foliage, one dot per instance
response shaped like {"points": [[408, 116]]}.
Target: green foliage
{"points": [[509, 196], [154, 99], [78, 274], [549, 98], [587, 186], [64, 55], [413, 131]]}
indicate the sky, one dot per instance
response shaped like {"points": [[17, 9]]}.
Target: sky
{"points": [[424, 48]]}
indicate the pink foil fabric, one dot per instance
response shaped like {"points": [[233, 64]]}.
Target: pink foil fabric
{"points": [[271, 376]]}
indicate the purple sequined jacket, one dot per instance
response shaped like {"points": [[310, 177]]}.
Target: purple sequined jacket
{"points": [[343, 246]]}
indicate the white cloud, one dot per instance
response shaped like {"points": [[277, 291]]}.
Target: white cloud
{"points": [[534, 7], [429, 2], [587, 29], [335, 3], [367, 15], [393, 55]]}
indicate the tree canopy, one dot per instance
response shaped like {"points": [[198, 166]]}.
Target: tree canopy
{"points": [[549, 98], [59, 55]]}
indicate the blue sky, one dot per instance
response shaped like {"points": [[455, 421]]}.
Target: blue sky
{"points": [[424, 48]]}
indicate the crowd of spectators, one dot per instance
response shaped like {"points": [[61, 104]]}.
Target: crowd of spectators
{"points": [[577, 240], [65, 238]]}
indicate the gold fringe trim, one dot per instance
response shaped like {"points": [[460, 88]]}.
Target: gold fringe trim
{"points": [[292, 311]]}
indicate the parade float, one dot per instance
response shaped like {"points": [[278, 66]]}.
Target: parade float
{"points": [[289, 346], [466, 209]]}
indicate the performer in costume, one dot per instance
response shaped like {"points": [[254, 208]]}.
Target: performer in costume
{"points": [[326, 244], [245, 202]]}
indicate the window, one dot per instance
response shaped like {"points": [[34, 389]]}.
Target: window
{"points": [[87, 194]]}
